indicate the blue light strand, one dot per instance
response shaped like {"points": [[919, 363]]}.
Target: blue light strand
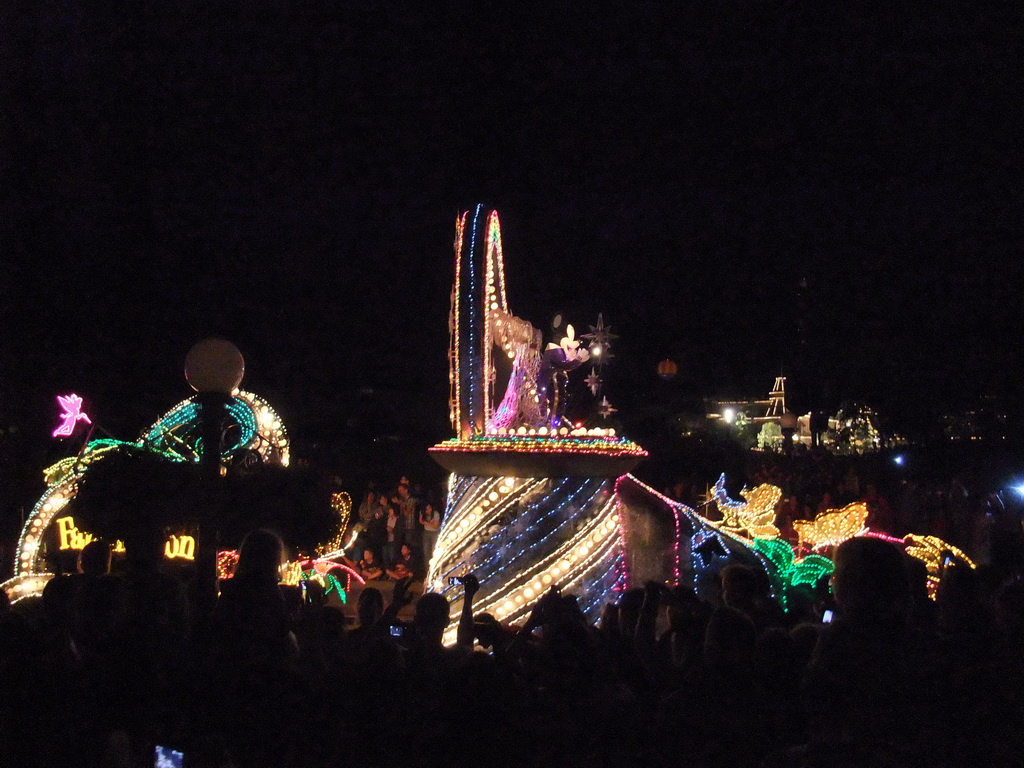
{"points": [[512, 561], [496, 542], [531, 528], [245, 417], [598, 590], [553, 514], [454, 519], [180, 414], [518, 582], [462, 486], [525, 513], [586, 577], [475, 347], [601, 551], [481, 486]]}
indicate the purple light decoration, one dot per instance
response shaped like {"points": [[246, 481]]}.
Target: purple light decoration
{"points": [[71, 415], [676, 506], [506, 414]]}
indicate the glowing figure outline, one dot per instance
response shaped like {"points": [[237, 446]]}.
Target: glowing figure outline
{"points": [[71, 414]]}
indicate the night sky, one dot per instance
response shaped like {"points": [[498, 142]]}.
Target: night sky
{"points": [[744, 187]]}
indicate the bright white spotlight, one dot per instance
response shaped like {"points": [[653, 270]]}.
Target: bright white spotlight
{"points": [[729, 415], [899, 459]]}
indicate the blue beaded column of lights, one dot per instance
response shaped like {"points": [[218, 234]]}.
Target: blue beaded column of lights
{"points": [[531, 503]]}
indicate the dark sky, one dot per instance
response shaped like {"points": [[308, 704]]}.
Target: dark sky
{"points": [[741, 186]]}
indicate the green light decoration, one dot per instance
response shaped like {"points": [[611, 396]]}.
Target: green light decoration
{"points": [[788, 573], [335, 585], [329, 582], [93, 451], [174, 435]]}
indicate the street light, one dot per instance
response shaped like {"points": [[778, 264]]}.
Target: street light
{"points": [[214, 368]]}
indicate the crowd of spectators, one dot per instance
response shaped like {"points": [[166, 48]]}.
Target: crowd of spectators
{"points": [[395, 532], [249, 672], [107, 666]]}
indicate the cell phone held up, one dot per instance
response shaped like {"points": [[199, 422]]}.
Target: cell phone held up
{"points": [[165, 757]]}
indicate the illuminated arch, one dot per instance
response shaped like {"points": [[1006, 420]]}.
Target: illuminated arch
{"points": [[261, 430], [174, 436]]}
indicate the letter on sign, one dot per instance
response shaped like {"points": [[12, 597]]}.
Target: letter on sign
{"points": [[180, 546], [70, 536]]}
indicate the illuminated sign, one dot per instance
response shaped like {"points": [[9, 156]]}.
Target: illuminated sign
{"points": [[70, 416], [183, 547], [70, 537]]}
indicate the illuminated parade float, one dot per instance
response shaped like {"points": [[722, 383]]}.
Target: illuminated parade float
{"points": [[535, 501], [253, 436]]}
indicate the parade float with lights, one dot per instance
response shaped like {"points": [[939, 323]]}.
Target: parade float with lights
{"points": [[249, 433], [536, 501]]}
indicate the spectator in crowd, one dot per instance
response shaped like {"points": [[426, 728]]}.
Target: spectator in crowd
{"points": [[375, 535], [430, 521], [876, 685], [393, 534], [405, 566], [251, 614], [409, 528], [744, 589], [880, 517], [368, 507], [368, 567]]}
